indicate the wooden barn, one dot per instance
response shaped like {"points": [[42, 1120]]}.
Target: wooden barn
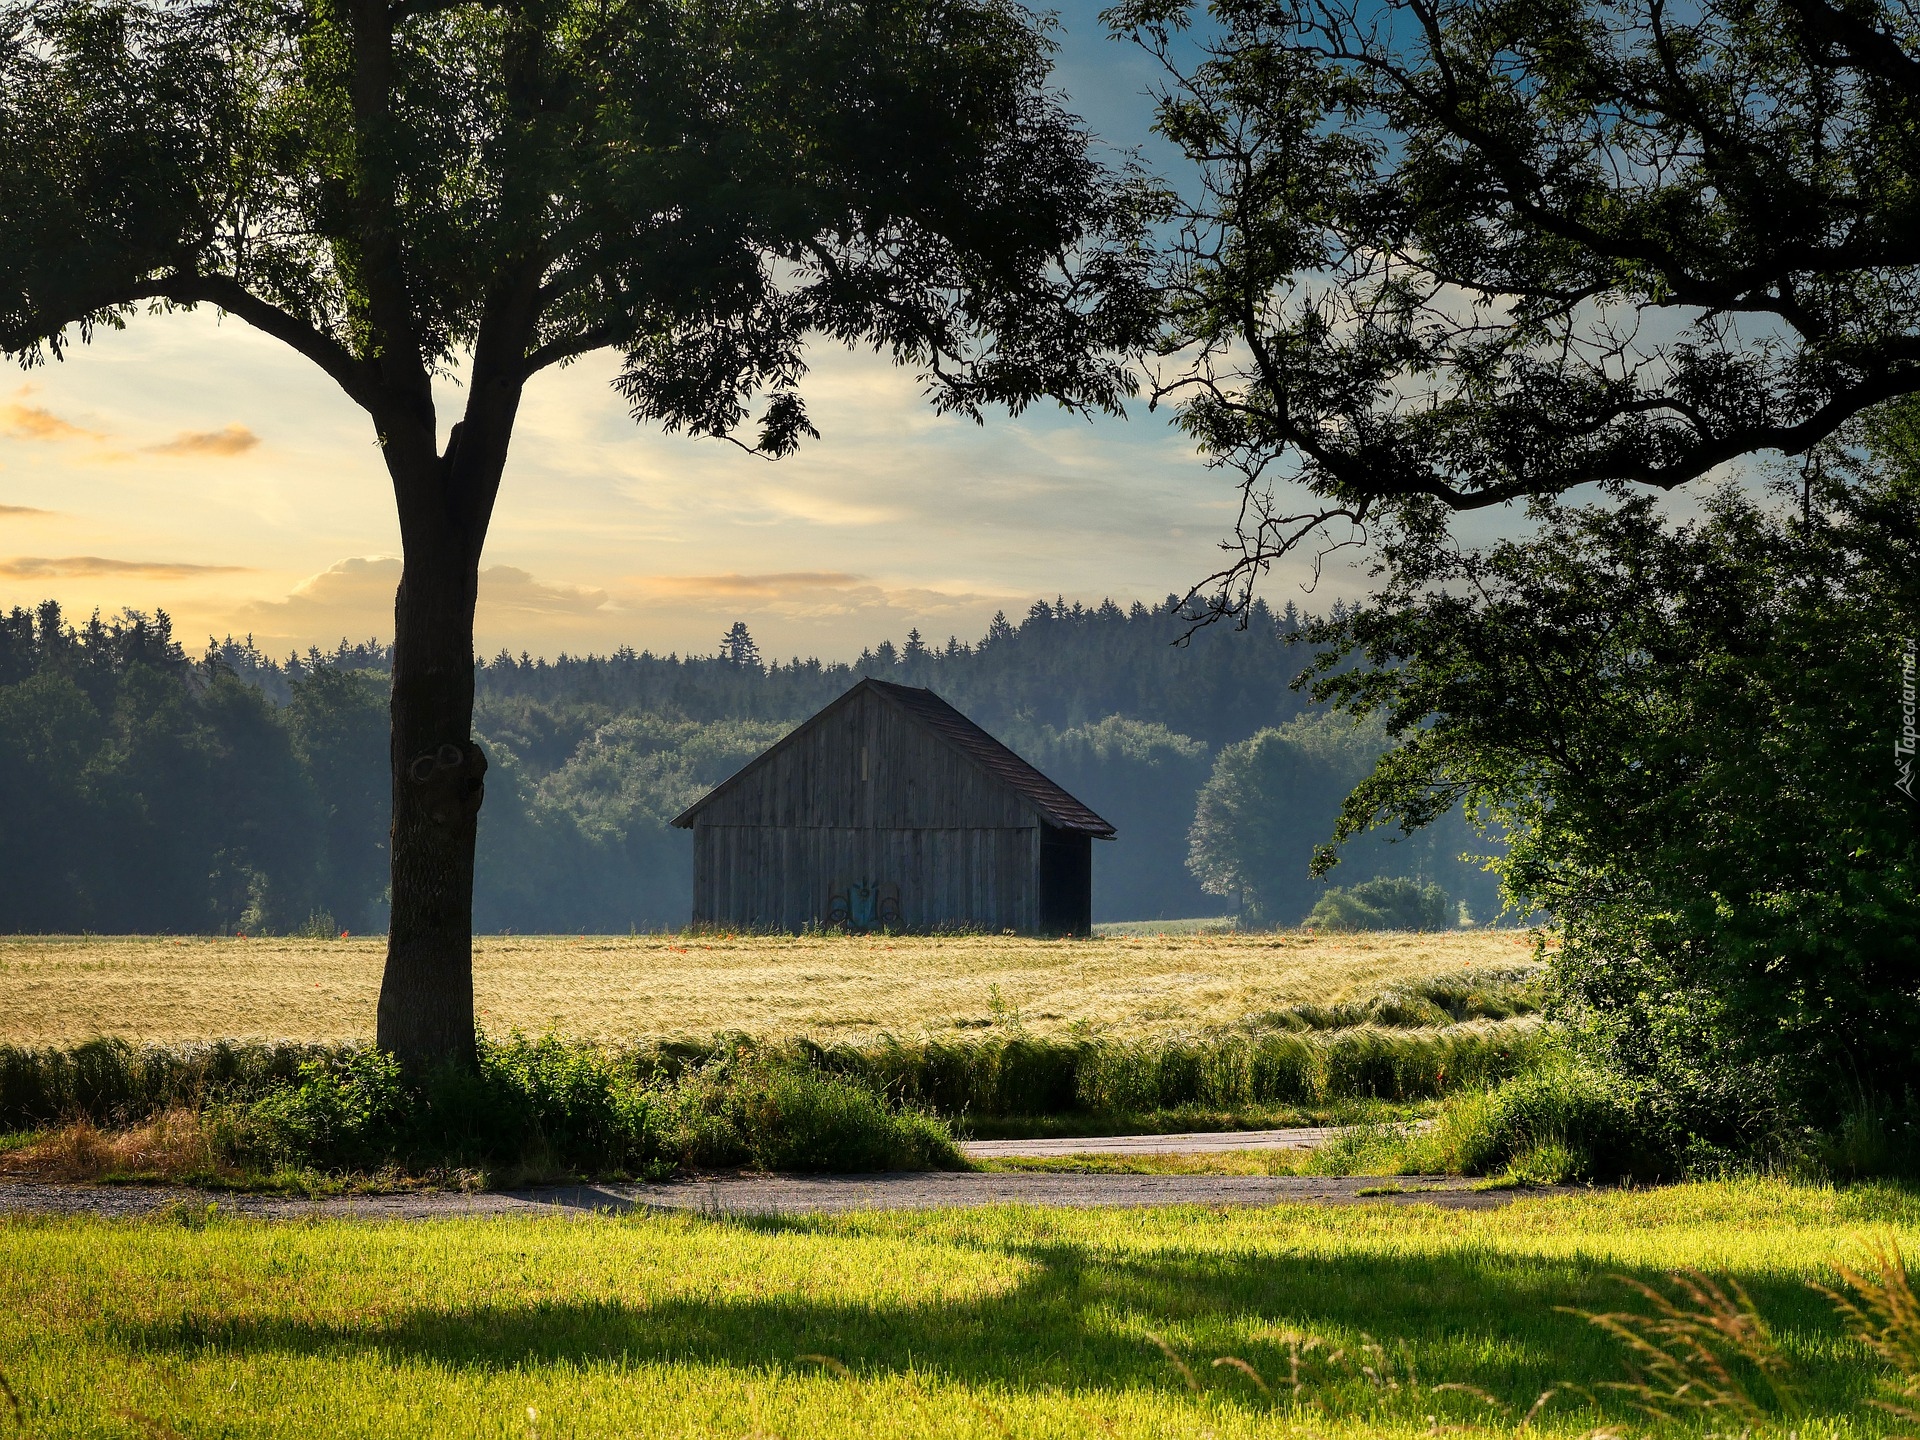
{"points": [[890, 808]]}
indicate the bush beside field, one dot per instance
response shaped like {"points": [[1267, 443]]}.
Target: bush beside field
{"points": [[533, 1108], [110, 1082], [551, 1105]]}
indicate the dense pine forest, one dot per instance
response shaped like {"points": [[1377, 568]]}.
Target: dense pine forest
{"points": [[146, 790]]}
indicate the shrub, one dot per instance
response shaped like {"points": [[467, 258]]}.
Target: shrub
{"points": [[803, 1120], [1713, 823], [1561, 1121], [344, 1113], [543, 1106], [1388, 903]]}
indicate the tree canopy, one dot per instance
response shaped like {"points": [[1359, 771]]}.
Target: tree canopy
{"points": [[1441, 256], [401, 191], [1273, 801], [396, 191]]}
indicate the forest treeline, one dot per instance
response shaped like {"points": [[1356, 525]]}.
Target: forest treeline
{"points": [[145, 790]]}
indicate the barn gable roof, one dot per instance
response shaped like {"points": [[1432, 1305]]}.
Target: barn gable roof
{"points": [[933, 714]]}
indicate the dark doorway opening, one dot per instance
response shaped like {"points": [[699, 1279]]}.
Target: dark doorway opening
{"points": [[1066, 882]]}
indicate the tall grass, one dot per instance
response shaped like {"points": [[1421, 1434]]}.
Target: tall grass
{"points": [[1024, 1075], [533, 1108], [111, 1082]]}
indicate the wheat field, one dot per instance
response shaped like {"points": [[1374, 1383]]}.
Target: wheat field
{"points": [[60, 990]]}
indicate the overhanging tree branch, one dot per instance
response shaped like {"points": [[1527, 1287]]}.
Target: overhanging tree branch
{"points": [[1443, 257]]}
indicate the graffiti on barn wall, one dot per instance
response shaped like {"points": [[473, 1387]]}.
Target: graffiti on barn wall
{"points": [[863, 905]]}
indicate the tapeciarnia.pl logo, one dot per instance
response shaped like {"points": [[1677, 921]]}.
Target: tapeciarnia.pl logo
{"points": [[1903, 747]]}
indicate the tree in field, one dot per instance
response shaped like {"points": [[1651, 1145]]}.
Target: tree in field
{"points": [[1442, 256], [401, 190], [1271, 804], [1270, 800]]}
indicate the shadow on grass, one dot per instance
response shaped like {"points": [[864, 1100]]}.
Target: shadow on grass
{"points": [[1081, 1320]]}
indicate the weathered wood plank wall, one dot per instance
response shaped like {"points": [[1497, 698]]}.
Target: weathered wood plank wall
{"points": [[782, 877], [868, 794]]}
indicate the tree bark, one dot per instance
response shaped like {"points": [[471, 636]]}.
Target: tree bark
{"points": [[445, 503], [426, 996]]}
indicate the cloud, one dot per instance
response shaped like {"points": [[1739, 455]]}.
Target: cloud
{"points": [[355, 597], [68, 567], [227, 441], [24, 510], [781, 583], [352, 596], [813, 595], [790, 502], [351, 578], [34, 422], [503, 587], [20, 421]]}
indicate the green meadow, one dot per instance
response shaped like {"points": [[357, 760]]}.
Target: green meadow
{"points": [[1374, 1320]]}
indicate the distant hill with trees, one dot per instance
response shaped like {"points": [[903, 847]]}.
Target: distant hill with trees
{"points": [[240, 791]]}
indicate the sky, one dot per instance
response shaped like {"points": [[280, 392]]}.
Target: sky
{"points": [[190, 464]]}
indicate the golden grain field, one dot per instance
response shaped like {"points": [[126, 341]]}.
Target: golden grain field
{"points": [[65, 989]]}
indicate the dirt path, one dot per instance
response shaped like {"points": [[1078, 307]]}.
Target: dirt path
{"points": [[770, 1195], [1203, 1142]]}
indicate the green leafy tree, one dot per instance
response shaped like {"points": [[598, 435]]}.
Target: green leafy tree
{"points": [[265, 813], [339, 725], [49, 730], [589, 844], [1443, 256], [1265, 819], [1389, 902], [399, 191], [1142, 777], [1689, 731]]}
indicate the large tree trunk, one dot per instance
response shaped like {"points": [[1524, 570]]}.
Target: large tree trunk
{"points": [[426, 996]]}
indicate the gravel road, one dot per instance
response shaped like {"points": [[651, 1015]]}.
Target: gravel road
{"points": [[1200, 1142], [771, 1195]]}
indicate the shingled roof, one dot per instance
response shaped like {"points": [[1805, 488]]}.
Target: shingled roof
{"points": [[1055, 805], [993, 757]]}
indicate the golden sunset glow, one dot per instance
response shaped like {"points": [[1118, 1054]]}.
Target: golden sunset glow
{"points": [[190, 464]]}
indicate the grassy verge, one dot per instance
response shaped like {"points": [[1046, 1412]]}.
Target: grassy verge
{"points": [[535, 1109], [1370, 1324], [548, 1107]]}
